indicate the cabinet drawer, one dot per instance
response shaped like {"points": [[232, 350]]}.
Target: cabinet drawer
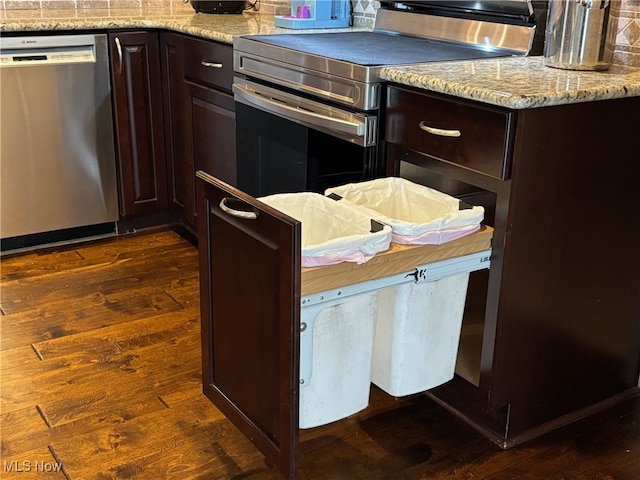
{"points": [[209, 63], [455, 132]]}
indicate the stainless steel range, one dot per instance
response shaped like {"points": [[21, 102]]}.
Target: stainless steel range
{"points": [[308, 105]]}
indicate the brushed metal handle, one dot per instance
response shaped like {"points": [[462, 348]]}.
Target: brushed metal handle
{"points": [[439, 131], [120, 57], [279, 107], [204, 63], [236, 213]]}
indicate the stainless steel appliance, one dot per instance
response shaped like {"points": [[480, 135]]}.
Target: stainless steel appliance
{"points": [[57, 160], [308, 105], [580, 35]]}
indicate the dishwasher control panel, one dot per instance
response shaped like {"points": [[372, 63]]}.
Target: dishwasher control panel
{"points": [[23, 51]]}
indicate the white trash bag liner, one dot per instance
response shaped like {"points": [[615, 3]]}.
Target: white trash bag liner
{"points": [[332, 232], [418, 215]]}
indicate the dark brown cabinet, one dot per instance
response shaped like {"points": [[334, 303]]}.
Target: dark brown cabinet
{"points": [[174, 115], [137, 95], [559, 309], [199, 115]]}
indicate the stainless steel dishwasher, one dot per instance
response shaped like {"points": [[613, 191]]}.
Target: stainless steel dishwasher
{"points": [[57, 153]]}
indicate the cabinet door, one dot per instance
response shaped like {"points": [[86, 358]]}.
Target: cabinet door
{"points": [[137, 96], [250, 311], [214, 132], [180, 169]]}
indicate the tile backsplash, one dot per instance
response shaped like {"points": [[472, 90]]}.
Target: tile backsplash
{"points": [[627, 13], [627, 47]]}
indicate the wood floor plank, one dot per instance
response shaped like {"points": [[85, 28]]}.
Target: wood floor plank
{"points": [[104, 277], [51, 314], [105, 339], [96, 347], [69, 407], [92, 388], [131, 245], [185, 290], [20, 357], [45, 262], [23, 423], [158, 439], [64, 318], [30, 431], [37, 263], [187, 388], [103, 355]]}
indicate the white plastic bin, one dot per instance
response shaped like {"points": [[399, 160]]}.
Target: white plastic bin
{"points": [[418, 324], [336, 339], [335, 380], [417, 335]]}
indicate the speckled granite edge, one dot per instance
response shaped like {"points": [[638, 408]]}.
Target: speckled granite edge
{"points": [[56, 26], [223, 28], [517, 82]]}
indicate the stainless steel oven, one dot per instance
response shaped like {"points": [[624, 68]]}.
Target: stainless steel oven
{"points": [[308, 105]]}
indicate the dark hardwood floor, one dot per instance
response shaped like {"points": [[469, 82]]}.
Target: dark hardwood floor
{"points": [[100, 379]]}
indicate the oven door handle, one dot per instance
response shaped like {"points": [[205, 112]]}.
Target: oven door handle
{"points": [[245, 95]]}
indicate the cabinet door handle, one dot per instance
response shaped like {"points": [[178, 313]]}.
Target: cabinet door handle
{"points": [[204, 63], [120, 58], [439, 131], [236, 213]]}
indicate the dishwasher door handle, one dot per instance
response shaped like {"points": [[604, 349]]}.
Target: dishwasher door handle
{"points": [[303, 111]]}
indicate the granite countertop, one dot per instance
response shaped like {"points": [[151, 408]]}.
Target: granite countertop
{"points": [[518, 82], [175, 16]]}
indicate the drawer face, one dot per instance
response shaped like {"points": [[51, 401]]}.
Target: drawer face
{"points": [[423, 123], [209, 63]]}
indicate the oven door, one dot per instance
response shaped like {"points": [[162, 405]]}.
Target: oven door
{"points": [[288, 143]]}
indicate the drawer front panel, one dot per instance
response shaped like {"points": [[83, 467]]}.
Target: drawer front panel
{"points": [[209, 63], [468, 136]]}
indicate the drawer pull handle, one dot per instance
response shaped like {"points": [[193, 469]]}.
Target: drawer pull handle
{"points": [[204, 63], [236, 213], [439, 131]]}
